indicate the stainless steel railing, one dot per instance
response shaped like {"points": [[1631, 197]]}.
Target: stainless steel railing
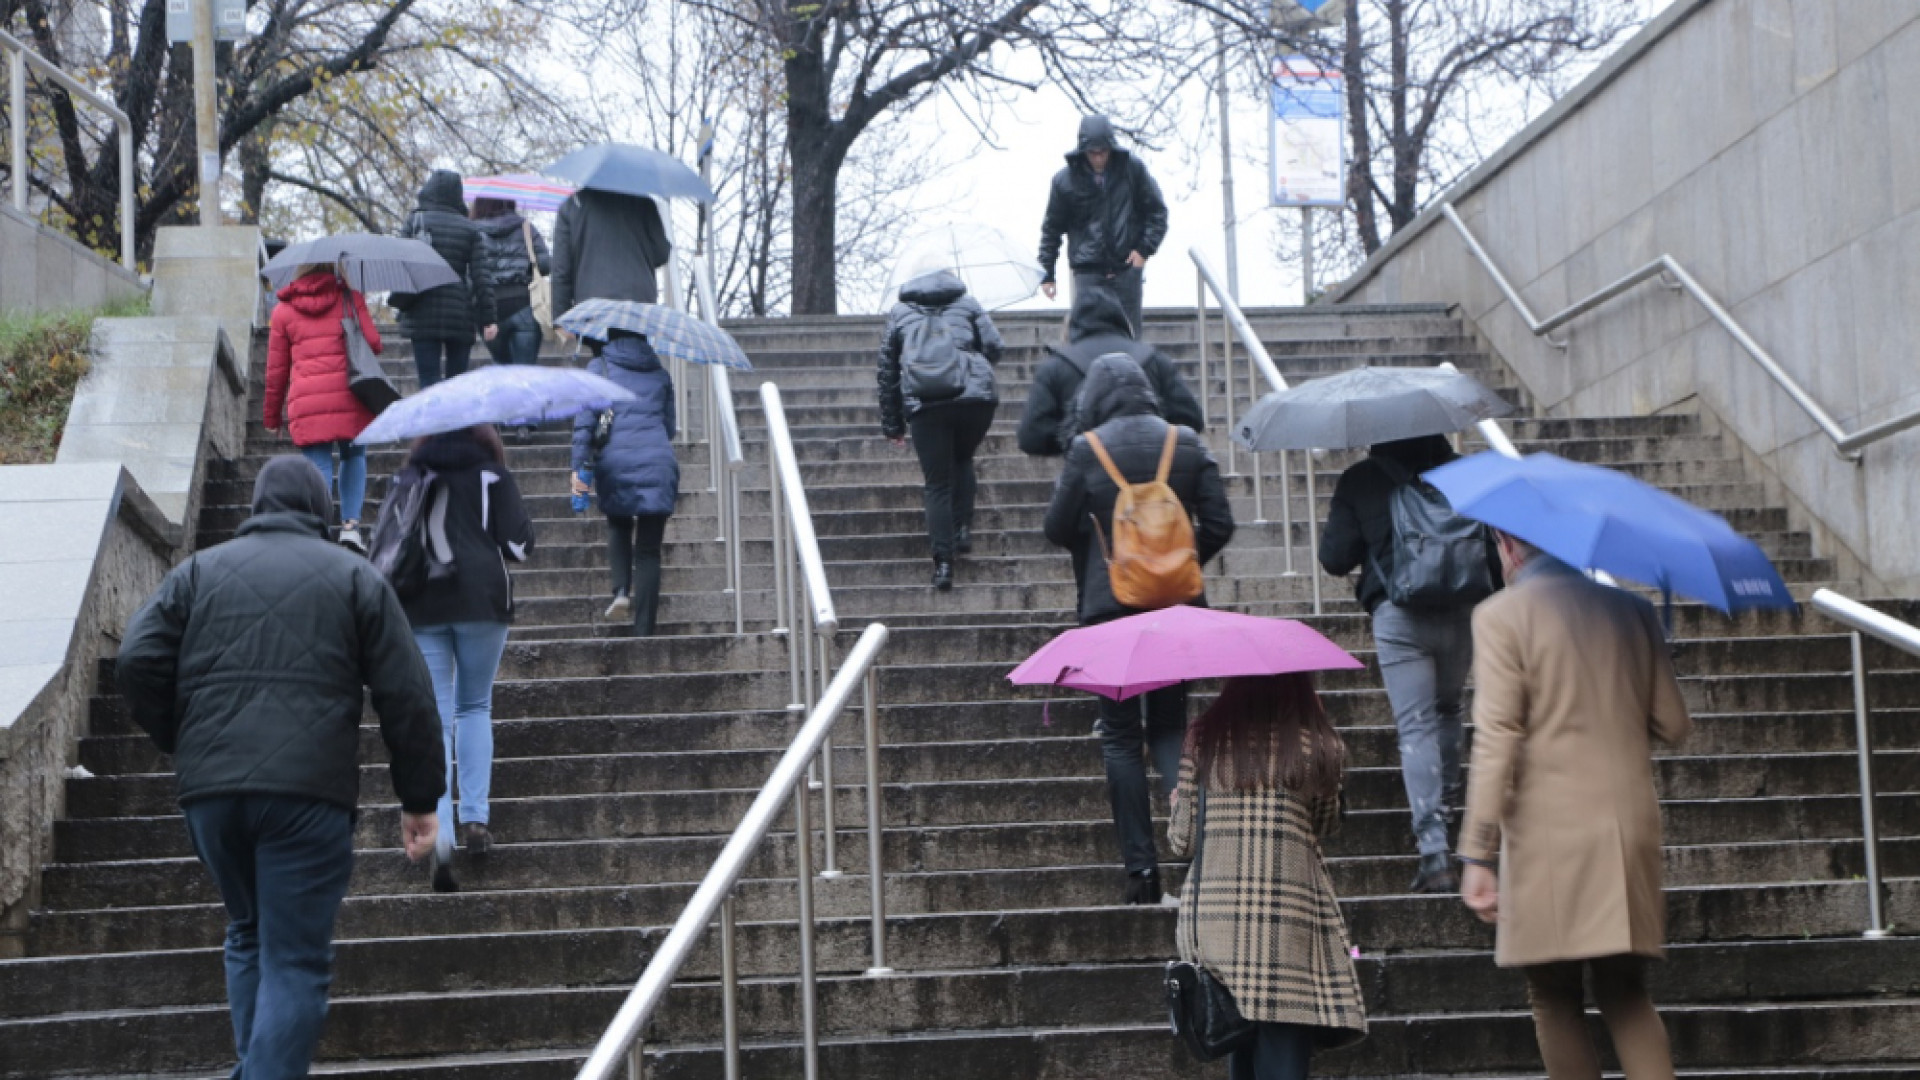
{"points": [[1862, 619], [19, 59], [724, 455], [1847, 444], [622, 1042]]}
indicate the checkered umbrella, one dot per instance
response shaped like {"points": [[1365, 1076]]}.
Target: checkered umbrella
{"points": [[670, 332]]}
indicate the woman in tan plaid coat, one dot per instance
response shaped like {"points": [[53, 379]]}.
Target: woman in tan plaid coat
{"points": [[1260, 786]]}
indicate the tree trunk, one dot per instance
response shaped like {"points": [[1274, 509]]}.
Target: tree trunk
{"points": [[1353, 63], [816, 175]]}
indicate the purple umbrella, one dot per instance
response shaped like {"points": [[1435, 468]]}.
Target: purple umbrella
{"points": [[501, 394], [1145, 652]]}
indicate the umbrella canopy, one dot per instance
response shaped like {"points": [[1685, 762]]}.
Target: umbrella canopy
{"points": [[1145, 652], [373, 264], [1598, 519], [671, 333], [630, 170], [1366, 406], [500, 394], [997, 271], [525, 190]]}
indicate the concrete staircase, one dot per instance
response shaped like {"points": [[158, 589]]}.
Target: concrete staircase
{"points": [[623, 763]]}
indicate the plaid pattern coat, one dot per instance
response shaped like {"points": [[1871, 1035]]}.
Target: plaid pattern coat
{"points": [[1259, 911]]}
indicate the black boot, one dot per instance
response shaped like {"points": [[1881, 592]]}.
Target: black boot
{"points": [[942, 574], [1143, 887], [1436, 875], [963, 540]]}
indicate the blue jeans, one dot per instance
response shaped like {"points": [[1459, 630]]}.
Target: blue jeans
{"points": [[427, 355], [1278, 1052], [281, 863], [518, 340], [1425, 657], [351, 477], [463, 659]]}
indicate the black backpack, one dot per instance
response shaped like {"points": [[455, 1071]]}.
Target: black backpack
{"points": [[1439, 557], [401, 549], [933, 366]]}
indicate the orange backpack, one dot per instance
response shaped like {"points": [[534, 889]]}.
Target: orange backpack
{"points": [[1153, 562]]}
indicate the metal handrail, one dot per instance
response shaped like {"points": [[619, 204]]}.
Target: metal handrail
{"points": [[1490, 431], [1258, 361], [1862, 619], [1848, 445], [622, 1040], [724, 452], [19, 59]]}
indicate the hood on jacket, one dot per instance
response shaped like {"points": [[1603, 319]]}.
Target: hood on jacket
{"points": [[1417, 454], [291, 484], [1096, 133], [312, 295], [1097, 311], [443, 191], [1116, 386], [937, 289], [631, 351], [451, 451], [500, 227]]}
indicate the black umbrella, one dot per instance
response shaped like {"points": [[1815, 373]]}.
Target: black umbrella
{"points": [[1366, 406], [373, 264]]}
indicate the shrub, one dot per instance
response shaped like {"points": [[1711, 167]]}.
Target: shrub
{"points": [[43, 356]]}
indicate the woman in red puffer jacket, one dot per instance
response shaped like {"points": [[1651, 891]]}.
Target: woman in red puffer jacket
{"points": [[307, 386]]}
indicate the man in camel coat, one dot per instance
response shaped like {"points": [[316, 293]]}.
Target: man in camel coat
{"points": [[1561, 845]]}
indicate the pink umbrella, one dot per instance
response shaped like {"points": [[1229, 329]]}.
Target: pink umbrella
{"points": [[1145, 652], [530, 192]]}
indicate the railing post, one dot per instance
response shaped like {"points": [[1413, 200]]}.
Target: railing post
{"points": [[736, 553], [1286, 505], [1226, 367], [1870, 833], [830, 858], [1206, 389], [803, 857], [729, 992], [1313, 527], [17, 116], [876, 876], [126, 197], [636, 1060]]}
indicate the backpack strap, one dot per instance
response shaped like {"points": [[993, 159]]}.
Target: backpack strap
{"points": [[1106, 462], [1166, 454]]}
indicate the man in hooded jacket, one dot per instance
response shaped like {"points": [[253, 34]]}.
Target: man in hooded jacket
{"points": [[441, 321], [1107, 204], [247, 665], [1096, 328], [1124, 414]]}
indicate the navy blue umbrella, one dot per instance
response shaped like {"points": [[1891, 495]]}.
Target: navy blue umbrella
{"points": [[625, 169], [1599, 519]]}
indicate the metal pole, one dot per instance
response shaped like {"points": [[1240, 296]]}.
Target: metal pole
{"points": [[803, 857], [1200, 309], [1226, 169], [126, 197], [636, 1060], [17, 104], [206, 130], [1286, 508], [1863, 732], [737, 553], [729, 992], [714, 449], [1259, 499], [876, 876], [830, 859], [1226, 368], [1306, 255], [1313, 526]]}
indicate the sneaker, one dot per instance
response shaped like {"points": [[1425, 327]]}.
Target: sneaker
{"points": [[1436, 875], [440, 868], [523, 433], [350, 537], [942, 574], [1143, 887], [963, 540], [621, 608]]}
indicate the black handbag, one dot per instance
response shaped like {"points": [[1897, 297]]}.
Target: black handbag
{"points": [[365, 377], [1200, 1008]]}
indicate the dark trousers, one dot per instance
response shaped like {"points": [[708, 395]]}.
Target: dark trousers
{"points": [[281, 864], [429, 352], [1278, 1052], [946, 438], [518, 339], [1620, 989], [633, 552], [1126, 284], [1126, 738]]}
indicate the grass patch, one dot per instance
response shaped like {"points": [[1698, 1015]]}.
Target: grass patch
{"points": [[43, 355]]}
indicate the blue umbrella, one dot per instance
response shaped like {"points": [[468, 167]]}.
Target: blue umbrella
{"points": [[1596, 518], [501, 394], [630, 170], [671, 333]]}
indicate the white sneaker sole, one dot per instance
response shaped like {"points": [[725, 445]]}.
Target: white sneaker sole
{"points": [[621, 608]]}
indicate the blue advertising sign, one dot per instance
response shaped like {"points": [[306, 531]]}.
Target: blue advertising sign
{"points": [[1308, 162]]}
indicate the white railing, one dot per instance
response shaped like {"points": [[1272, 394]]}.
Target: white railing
{"points": [[19, 59], [621, 1044]]}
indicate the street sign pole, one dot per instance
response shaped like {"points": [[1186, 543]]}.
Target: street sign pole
{"points": [[206, 113], [1226, 170], [1306, 255]]}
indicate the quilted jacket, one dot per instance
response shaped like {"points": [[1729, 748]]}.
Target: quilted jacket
{"points": [[942, 294], [448, 312], [247, 665], [307, 363]]}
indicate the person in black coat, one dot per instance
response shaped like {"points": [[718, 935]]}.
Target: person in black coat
{"points": [[1121, 405], [441, 321], [635, 473], [1096, 328], [1114, 218], [506, 239], [606, 246], [946, 433], [248, 665], [477, 524]]}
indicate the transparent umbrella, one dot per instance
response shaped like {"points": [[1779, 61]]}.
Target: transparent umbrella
{"points": [[997, 271]]}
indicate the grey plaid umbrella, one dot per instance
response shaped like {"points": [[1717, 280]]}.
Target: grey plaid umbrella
{"points": [[670, 332], [374, 264], [1366, 406]]}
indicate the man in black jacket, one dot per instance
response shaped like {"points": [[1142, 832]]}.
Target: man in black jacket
{"points": [[1096, 328], [1425, 653], [1111, 211], [1120, 404], [606, 246], [248, 665]]}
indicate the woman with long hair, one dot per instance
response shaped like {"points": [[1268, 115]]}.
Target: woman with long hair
{"points": [[1259, 789], [307, 388], [476, 523]]}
